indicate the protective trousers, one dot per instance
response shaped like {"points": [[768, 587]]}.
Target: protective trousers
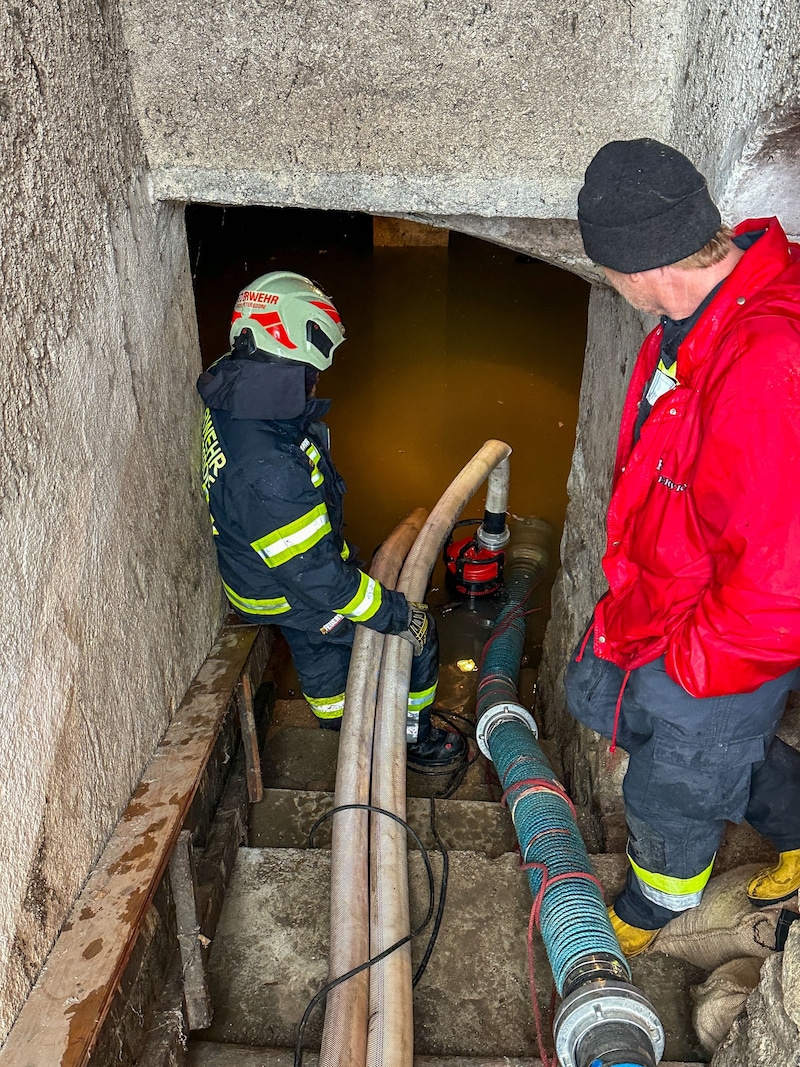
{"points": [[323, 660], [694, 764]]}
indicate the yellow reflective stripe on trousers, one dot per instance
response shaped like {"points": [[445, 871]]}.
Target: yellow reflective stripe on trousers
{"points": [[677, 894], [421, 699], [294, 538], [270, 606], [366, 601], [312, 452], [326, 707]]}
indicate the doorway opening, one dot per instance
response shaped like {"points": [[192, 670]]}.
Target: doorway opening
{"points": [[448, 344]]}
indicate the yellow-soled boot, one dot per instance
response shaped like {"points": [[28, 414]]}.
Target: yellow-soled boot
{"points": [[631, 939], [774, 884]]}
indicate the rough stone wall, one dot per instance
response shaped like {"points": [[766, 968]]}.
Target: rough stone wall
{"points": [[111, 600], [615, 332], [737, 112], [767, 1034]]}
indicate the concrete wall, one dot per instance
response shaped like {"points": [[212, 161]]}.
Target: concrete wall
{"points": [[110, 601], [490, 109], [737, 105]]}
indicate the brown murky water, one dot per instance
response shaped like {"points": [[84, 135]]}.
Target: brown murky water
{"points": [[445, 348]]}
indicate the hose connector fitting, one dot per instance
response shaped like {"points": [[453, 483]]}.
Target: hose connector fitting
{"points": [[501, 713], [493, 533], [605, 1023]]}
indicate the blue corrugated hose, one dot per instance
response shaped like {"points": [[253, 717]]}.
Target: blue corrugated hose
{"points": [[572, 916]]}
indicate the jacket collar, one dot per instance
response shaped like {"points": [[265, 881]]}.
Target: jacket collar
{"points": [[768, 257]]}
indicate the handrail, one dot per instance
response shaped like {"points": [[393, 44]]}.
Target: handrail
{"points": [[62, 1017]]}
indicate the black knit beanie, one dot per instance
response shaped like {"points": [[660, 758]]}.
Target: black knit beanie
{"points": [[644, 205]]}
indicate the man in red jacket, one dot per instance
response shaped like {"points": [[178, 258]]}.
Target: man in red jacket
{"points": [[691, 654]]}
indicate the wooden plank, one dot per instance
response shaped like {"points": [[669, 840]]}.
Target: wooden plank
{"points": [[196, 999], [60, 1020], [247, 723]]}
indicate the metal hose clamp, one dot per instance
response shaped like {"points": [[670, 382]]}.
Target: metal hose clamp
{"points": [[502, 713]]}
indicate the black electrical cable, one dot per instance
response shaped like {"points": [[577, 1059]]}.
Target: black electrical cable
{"points": [[298, 1052], [442, 897]]}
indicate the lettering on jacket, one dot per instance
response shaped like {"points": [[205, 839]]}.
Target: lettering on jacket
{"points": [[676, 487], [213, 460]]}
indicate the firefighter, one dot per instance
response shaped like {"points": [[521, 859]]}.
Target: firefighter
{"points": [[275, 501]]}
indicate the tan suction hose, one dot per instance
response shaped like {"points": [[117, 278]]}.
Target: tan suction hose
{"points": [[344, 1036], [391, 1032]]}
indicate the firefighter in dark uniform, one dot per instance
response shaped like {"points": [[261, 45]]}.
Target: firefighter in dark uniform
{"points": [[275, 500]]}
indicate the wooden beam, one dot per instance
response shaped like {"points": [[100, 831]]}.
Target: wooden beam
{"points": [[60, 1020], [196, 1000], [247, 724]]}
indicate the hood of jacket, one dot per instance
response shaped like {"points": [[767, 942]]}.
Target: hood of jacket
{"points": [[250, 389]]}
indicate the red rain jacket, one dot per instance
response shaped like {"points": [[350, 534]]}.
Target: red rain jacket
{"points": [[703, 554]]}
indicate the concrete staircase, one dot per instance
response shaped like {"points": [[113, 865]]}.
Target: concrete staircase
{"points": [[472, 1005]]}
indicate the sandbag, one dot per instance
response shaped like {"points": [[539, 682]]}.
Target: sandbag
{"points": [[725, 925], [721, 998]]}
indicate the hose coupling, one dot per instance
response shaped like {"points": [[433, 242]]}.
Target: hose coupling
{"points": [[605, 1023], [492, 541], [505, 712]]}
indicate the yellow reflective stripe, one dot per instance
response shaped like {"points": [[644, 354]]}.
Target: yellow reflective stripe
{"points": [[345, 551], [421, 699], [366, 601], [294, 538], [312, 452], [326, 707], [677, 894], [269, 606]]}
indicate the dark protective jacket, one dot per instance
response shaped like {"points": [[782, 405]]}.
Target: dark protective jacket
{"points": [[703, 550], [275, 500]]}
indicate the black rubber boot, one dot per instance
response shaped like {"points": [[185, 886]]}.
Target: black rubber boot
{"points": [[330, 724], [439, 749]]}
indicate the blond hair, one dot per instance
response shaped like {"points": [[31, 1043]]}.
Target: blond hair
{"points": [[713, 252]]}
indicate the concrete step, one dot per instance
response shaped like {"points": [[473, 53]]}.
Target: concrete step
{"points": [[299, 756], [284, 818], [210, 1054], [303, 757], [269, 957]]}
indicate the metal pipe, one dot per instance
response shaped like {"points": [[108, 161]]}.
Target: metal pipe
{"points": [[391, 1033], [344, 1034], [603, 1020]]}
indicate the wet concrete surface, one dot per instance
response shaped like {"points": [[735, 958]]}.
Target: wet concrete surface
{"points": [[270, 957]]}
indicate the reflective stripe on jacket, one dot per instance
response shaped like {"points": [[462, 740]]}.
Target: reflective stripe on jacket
{"points": [[275, 500], [703, 553]]}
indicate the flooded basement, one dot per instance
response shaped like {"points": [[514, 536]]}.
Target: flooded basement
{"points": [[446, 347]]}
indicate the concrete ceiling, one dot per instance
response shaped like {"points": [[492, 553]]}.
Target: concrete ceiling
{"points": [[484, 110]]}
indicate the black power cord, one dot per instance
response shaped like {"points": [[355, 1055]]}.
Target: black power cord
{"points": [[315, 1000]]}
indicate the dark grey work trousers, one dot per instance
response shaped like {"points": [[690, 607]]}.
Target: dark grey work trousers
{"points": [[323, 660], [694, 764]]}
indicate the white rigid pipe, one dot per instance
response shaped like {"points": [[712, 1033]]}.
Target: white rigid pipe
{"points": [[391, 1032], [344, 1035], [497, 488]]}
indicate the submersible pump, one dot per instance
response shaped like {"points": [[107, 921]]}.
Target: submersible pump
{"points": [[603, 1020]]}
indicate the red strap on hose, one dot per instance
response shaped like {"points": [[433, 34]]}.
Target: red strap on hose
{"points": [[533, 921], [540, 785]]}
